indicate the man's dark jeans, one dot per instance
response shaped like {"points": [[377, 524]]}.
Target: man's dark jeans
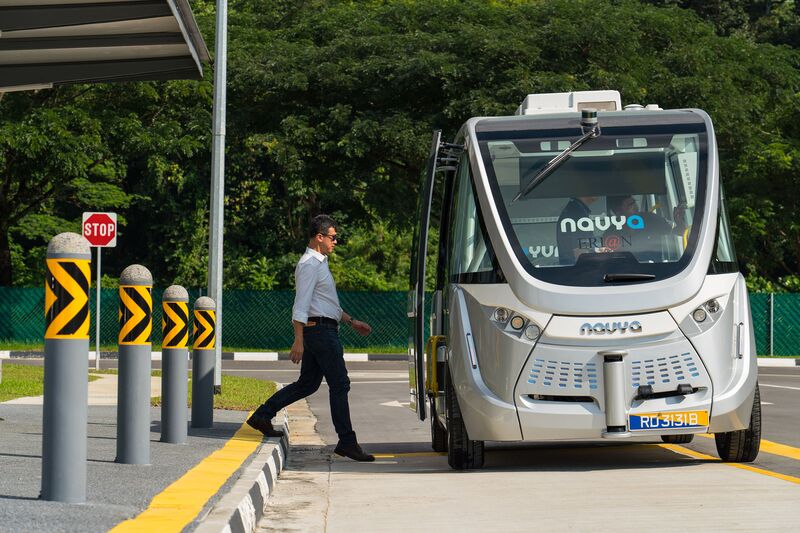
{"points": [[323, 356]]}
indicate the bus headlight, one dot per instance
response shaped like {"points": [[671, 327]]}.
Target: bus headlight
{"points": [[533, 332], [501, 315], [699, 314], [517, 322], [712, 306]]}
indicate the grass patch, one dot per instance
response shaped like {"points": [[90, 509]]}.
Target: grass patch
{"points": [[238, 393], [20, 381]]}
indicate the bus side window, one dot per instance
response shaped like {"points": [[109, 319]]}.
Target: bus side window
{"points": [[471, 256]]}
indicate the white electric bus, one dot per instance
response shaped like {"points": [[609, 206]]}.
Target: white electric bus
{"points": [[586, 283]]}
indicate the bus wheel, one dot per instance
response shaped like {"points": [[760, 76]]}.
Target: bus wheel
{"points": [[462, 453], [438, 432], [677, 439], [742, 446]]}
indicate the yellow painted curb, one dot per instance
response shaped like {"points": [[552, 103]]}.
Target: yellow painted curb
{"points": [[180, 503]]}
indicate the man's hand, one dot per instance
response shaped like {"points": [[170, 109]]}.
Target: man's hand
{"points": [[362, 328], [296, 353]]}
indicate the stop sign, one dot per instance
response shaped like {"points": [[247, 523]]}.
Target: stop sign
{"points": [[100, 229]]}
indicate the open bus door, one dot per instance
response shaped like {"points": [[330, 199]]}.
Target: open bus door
{"points": [[416, 294]]}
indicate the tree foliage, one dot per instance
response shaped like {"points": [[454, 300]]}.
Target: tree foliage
{"points": [[330, 109]]}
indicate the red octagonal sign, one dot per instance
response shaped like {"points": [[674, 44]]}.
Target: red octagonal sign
{"points": [[100, 229]]}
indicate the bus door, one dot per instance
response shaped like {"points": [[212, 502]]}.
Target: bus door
{"points": [[416, 294]]}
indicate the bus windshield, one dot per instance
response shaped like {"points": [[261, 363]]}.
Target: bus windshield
{"points": [[620, 209]]}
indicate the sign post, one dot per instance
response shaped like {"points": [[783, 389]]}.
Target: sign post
{"points": [[100, 229]]}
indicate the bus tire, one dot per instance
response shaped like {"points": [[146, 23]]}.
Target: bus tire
{"points": [[438, 431], [742, 446], [462, 452], [678, 439]]}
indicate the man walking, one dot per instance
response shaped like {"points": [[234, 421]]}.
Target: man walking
{"points": [[316, 315]]}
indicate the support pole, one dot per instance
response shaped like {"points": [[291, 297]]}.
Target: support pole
{"points": [[218, 179], [66, 382], [133, 388], [175, 363], [203, 363], [614, 386], [97, 316], [772, 323]]}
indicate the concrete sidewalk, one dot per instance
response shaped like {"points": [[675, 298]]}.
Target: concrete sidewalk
{"points": [[118, 492]]}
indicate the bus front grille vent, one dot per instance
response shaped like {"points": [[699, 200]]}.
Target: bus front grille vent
{"points": [[563, 374], [665, 370]]}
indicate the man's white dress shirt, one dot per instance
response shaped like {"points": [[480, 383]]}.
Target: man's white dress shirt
{"points": [[315, 289]]}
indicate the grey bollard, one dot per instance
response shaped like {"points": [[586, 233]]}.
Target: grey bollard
{"points": [[175, 365], [203, 360], [133, 389], [66, 381]]}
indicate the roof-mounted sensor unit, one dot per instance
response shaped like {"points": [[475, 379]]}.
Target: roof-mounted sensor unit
{"points": [[573, 101]]}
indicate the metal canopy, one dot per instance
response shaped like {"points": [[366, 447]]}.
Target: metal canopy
{"points": [[54, 42]]}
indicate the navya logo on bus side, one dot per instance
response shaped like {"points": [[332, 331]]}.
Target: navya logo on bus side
{"points": [[607, 328], [569, 225]]}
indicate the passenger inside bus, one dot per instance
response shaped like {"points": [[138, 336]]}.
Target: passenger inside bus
{"points": [[569, 243], [645, 232]]}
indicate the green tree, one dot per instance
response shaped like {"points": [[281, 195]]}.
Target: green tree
{"points": [[53, 163]]}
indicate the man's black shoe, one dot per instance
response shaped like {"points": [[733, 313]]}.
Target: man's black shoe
{"points": [[354, 452], [264, 426]]}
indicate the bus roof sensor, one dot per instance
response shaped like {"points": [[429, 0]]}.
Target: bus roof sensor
{"points": [[535, 104]]}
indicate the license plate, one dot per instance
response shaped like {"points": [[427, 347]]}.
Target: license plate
{"points": [[668, 420]]}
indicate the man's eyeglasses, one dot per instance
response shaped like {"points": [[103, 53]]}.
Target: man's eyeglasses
{"points": [[333, 238]]}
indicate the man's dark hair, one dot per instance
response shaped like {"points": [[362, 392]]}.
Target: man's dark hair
{"points": [[321, 224], [615, 203]]}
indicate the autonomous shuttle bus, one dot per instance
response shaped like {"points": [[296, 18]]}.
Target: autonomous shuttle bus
{"points": [[586, 285]]}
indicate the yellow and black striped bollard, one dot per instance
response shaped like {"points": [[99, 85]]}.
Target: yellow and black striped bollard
{"points": [[175, 363], [203, 359], [135, 347], [66, 382]]}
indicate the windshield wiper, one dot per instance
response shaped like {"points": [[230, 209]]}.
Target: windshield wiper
{"points": [[588, 121], [610, 278]]}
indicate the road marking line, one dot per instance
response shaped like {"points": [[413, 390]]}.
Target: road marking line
{"points": [[408, 454], [370, 382], [775, 448], [180, 503], [395, 403], [697, 455], [778, 386]]}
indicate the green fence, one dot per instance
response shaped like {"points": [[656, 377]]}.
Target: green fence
{"points": [[251, 319], [262, 319]]}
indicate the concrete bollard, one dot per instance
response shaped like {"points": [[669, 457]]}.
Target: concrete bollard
{"points": [[66, 381], [175, 365], [133, 389], [203, 359]]}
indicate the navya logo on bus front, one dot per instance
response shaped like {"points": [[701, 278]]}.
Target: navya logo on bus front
{"points": [[569, 225], [607, 328]]}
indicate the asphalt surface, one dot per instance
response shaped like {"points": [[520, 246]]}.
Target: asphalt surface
{"points": [[379, 396], [567, 486], [115, 492]]}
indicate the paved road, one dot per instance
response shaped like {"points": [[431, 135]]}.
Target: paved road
{"points": [[542, 486]]}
